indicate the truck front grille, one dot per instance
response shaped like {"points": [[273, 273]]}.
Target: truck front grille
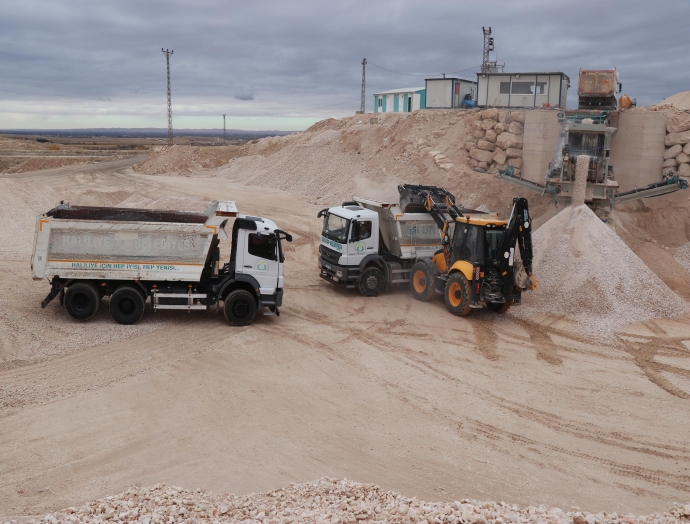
{"points": [[331, 255]]}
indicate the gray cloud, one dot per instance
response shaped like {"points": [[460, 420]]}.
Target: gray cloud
{"points": [[244, 93], [306, 54]]}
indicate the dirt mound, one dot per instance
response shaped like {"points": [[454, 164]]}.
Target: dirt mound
{"points": [[334, 159], [328, 501], [679, 100], [186, 160], [585, 271]]}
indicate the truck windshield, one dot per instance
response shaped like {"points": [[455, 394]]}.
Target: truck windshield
{"points": [[336, 228]]}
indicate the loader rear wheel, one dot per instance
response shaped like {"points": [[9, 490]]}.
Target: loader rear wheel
{"points": [[423, 280], [498, 307], [82, 300], [127, 305], [371, 282], [239, 308], [457, 295]]}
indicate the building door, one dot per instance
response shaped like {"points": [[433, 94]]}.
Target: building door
{"points": [[409, 104]]}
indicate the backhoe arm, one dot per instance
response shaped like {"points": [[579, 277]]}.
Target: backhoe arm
{"points": [[518, 230]]}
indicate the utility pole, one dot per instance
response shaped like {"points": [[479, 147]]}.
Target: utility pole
{"points": [[167, 54], [488, 46], [223, 128], [364, 66]]}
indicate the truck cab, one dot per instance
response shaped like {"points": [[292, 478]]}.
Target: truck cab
{"points": [[349, 239]]}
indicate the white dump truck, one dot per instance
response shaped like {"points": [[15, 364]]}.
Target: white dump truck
{"points": [[173, 257], [369, 244]]}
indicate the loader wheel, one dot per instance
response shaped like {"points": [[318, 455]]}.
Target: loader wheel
{"points": [[82, 301], [127, 305], [457, 295], [371, 282], [498, 307], [239, 308], [423, 280]]}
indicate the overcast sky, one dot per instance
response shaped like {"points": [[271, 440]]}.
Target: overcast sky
{"points": [[271, 64]]}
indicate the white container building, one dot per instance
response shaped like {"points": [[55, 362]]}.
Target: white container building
{"points": [[403, 100], [447, 93], [522, 89]]}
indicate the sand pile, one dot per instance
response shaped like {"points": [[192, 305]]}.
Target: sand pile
{"points": [[326, 501], [585, 271], [680, 100]]}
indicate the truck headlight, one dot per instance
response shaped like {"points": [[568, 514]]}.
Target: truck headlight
{"points": [[339, 274]]}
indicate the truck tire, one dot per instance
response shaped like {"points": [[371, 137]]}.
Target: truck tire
{"points": [[457, 294], [127, 305], [498, 307], [239, 308], [82, 300], [371, 282], [423, 280]]}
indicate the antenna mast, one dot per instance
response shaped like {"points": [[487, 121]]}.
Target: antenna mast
{"points": [[364, 66], [488, 47], [167, 54]]}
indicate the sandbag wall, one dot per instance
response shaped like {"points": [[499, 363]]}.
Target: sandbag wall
{"points": [[677, 153], [495, 139]]}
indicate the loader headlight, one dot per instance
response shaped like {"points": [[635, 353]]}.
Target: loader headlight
{"points": [[339, 274]]}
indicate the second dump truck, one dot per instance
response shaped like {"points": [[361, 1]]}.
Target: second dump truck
{"points": [[430, 244], [171, 257]]}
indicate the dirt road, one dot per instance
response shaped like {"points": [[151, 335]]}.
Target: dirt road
{"points": [[386, 390]]}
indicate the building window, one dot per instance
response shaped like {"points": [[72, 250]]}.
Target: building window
{"points": [[380, 102], [522, 88], [541, 88], [504, 88]]}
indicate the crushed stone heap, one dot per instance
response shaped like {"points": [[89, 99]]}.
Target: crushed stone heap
{"points": [[326, 501], [584, 270]]}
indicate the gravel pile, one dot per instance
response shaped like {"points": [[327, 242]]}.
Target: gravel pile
{"points": [[585, 271], [683, 255], [327, 501]]}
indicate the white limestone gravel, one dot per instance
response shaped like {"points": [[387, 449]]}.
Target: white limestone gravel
{"points": [[585, 271], [327, 501]]}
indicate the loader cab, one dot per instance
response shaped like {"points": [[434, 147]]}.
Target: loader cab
{"points": [[476, 240], [350, 233]]}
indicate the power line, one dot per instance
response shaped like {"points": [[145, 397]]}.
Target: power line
{"points": [[167, 54], [421, 75]]}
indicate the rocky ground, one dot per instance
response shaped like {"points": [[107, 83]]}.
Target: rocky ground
{"points": [[329, 501]]}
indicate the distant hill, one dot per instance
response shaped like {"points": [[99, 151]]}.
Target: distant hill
{"points": [[143, 132]]}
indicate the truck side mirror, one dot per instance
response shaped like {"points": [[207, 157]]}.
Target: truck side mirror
{"points": [[356, 227]]}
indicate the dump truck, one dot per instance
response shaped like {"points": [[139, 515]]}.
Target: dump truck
{"points": [[597, 89], [431, 244], [172, 257]]}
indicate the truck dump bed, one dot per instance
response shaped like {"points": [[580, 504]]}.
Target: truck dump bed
{"points": [[405, 235], [128, 244]]}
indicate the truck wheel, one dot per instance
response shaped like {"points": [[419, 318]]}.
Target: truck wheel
{"points": [[127, 305], [423, 280], [457, 295], [82, 300], [498, 307], [371, 282], [239, 308]]}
